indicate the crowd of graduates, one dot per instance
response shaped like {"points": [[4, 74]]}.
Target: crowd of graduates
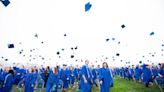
{"points": [[61, 78], [146, 74]]}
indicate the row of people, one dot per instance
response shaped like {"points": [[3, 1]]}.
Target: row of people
{"points": [[57, 78], [144, 73]]}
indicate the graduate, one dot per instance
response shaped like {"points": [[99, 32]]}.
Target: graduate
{"points": [[76, 72], [105, 78], [64, 76], [52, 81], [1, 79], [72, 76], [29, 80], [8, 81], [147, 75], [137, 73], [46, 75], [161, 74], [94, 74], [86, 78]]}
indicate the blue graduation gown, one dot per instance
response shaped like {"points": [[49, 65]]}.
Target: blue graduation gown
{"points": [[72, 77], [64, 75], [30, 79], [137, 74], [94, 75], [52, 82], [86, 87], [106, 78], [8, 83], [147, 75]]}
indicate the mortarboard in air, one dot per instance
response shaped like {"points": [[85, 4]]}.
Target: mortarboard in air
{"points": [[20, 52], [119, 42], [24, 55], [59, 56], [62, 49], [6, 59], [107, 39], [162, 49], [10, 45], [72, 56], [71, 48], [76, 48], [36, 35], [140, 62], [117, 54], [152, 55], [42, 42], [162, 45], [88, 6], [42, 58], [5, 2], [65, 35], [122, 26], [64, 65], [58, 53], [2, 57], [152, 33], [113, 39]]}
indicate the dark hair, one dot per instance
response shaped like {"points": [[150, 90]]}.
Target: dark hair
{"points": [[105, 63], [12, 72]]}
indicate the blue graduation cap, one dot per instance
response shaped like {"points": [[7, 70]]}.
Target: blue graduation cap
{"points": [[162, 45], [76, 47], [88, 6], [107, 39], [36, 35], [117, 54], [64, 65], [58, 53], [10, 45], [72, 56], [65, 34], [140, 62], [152, 33], [5, 2], [113, 39], [122, 26]]}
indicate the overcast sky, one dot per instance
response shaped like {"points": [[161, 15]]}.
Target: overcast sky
{"points": [[51, 19]]}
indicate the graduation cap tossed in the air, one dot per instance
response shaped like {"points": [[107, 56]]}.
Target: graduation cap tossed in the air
{"points": [[107, 39], [36, 35], [122, 26], [10, 45], [113, 39], [71, 48], [72, 56], [76, 48], [117, 54], [162, 45], [140, 62], [65, 35], [6, 59], [152, 33], [88, 6], [5, 2], [62, 49], [58, 53]]}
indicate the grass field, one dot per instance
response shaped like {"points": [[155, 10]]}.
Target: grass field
{"points": [[120, 85]]}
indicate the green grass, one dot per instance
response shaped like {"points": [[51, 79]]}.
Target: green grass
{"points": [[120, 85]]}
